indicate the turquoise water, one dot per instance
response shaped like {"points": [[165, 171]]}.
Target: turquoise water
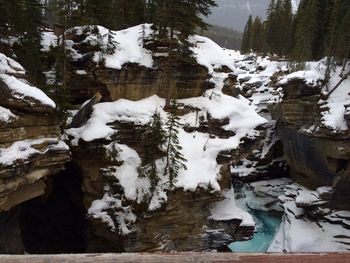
{"points": [[267, 225]]}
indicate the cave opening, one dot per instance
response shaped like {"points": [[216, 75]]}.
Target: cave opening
{"points": [[56, 223]]}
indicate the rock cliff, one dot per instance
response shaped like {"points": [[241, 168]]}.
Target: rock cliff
{"points": [[124, 214], [129, 74], [31, 148], [315, 136], [30, 143], [314, 133]]}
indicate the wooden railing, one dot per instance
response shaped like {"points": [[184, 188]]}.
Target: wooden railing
{"points": [[180, 258]]}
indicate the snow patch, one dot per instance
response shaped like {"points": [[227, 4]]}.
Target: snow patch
{"points": [[6, 115], [48, 40], [228, 210], [22, 150], [21, 90]]}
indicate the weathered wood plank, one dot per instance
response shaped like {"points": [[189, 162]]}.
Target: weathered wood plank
{"points": [[180, 258]]}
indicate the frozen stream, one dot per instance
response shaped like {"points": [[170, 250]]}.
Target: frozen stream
{"points": [[267, 224]]}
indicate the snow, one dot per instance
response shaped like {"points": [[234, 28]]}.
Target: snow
{"points": [[221, 106], [299, 234], [333, 108], [22, 150], [129, 46], [307, 197], [200, 150], [314, 73], [228, 210], [6, 115], [334, 117], [21, 90], [9, 66], [125, 217], [81, 72], [97, 207], [234, 54], [127, 174], [48, 40], [210, 54], [263, 195], [19, 87], [138, 112]]}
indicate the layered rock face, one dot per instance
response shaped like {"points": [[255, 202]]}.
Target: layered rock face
{"points": [[30, 145], [134, 81], [262, 157], [315, 136], [199, 212], [181, 223], [317, 154], [308, 224]]}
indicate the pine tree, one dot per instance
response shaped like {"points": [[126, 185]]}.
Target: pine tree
{"points": [[115, 14], [307, 28], [286, 19], [342, 35], [28, 47], [246, 39], [256, 37], [153, 140], [175, 161], [107, 43], [271, 26], [174, 21]]}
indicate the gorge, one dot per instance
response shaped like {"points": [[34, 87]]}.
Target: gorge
{"points": [[258, 138]]}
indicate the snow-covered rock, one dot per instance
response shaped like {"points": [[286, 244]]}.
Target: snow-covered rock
{"points": [[308, 225], [14, 84], [30, 144], [213, 124]]}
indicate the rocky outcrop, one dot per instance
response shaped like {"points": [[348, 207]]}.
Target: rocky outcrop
{"points": [[262, 157], [123, 213], [131, 80], [308, 222], [30, 144], [317, 154], [181, 224]]}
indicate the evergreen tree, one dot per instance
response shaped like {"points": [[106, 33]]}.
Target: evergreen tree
{"points": [[175, 161], [153, 140], [115, 14], [70, 13], [271, 26], [246, 38], [172, 32], [342, 34], [28, 47], [257, 35], [107, 43], [286, 21], [306, 30]]}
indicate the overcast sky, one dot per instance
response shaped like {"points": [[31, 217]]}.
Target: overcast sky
{"points": [[234, 13]]}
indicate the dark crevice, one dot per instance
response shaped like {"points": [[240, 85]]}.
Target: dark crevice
{"points": [[56, 223]]}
